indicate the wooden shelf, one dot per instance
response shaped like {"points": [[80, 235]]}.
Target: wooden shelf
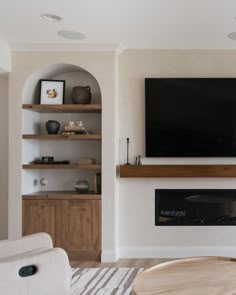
{"points": [[63, 136], [61, 166], [154, 171], [64, 108], [61, 195]]}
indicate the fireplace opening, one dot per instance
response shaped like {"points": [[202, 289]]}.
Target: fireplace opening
{"points": [[195, 207]]}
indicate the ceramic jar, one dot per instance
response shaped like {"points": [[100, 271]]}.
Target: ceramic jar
{"points": [[81, 95], [52, 126]]}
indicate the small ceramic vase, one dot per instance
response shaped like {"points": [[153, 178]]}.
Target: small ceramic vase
{"points": [[82, 186], [52, 127]]}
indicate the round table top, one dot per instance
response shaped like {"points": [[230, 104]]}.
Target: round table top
{"points": [[189, 276]]}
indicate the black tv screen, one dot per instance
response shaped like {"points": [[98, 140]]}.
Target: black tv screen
{"points": [[190, 117]]}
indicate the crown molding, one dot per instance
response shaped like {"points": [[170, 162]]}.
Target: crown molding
{"points": [[58, 47]]}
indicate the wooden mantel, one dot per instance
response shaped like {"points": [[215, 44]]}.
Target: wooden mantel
{"points": [[153, 171]]}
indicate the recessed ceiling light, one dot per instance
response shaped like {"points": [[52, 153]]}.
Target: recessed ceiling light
{"points": [[232, 36], [51, 17], [71, 35]]}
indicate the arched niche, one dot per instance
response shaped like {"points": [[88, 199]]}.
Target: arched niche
{"points": [[72, 74], [34, 123], [29, 67]]}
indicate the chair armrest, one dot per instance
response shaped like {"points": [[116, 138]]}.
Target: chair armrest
{"points": [[27, 243], [53, 276]]}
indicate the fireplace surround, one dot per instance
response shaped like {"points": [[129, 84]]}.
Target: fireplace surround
{"points": [[181, 207]]}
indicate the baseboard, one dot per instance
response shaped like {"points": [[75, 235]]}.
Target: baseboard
{"points": [[84, 255], [176, 252], [110, 256]]}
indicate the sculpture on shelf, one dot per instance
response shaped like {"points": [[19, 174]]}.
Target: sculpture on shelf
{"points": [[70, 126], [75, 128], [44, 182]]}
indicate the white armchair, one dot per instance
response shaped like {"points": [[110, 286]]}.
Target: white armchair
{"points": [[31, 266]]}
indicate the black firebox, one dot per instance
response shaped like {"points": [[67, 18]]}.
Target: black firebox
{"points": [[195, 207]]}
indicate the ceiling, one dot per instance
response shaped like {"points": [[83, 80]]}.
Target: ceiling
{"points": [[133, 23]]}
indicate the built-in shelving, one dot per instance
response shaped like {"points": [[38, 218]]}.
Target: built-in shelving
{"points": [[154, 171], [61, 195], [64, 108], [62, 136], [72, 219], [62, 166]]}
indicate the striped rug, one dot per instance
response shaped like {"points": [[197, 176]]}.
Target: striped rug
{"points": [[103, 281]]}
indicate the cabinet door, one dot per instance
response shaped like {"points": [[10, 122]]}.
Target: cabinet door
{"points": [[81, 228], [43, 216]]}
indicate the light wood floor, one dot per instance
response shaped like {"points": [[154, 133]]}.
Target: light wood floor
{"points": [[124, 262]]}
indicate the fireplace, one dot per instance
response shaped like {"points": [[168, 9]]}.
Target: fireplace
{"points": [[195, 207]]}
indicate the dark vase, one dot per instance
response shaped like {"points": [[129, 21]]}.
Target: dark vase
{"points": [[52, 126], [81, 95]]}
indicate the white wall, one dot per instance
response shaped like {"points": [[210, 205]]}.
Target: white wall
{"points": [[138, 237], [5, 57], [3, 156]]}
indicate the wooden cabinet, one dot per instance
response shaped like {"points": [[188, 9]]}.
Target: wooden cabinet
{"points": [[81, 228], [74, 223], [43, 216]]}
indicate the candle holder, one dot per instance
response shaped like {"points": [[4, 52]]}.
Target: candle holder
{"points": [[127, 160]]}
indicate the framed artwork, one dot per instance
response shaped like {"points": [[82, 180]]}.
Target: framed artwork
{"points": [[52, 91]]}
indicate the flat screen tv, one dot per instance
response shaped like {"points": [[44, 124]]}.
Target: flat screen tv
{"points": [[190, 117]]}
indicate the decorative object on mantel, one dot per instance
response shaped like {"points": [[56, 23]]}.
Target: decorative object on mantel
{"points": [[138, 160], [81, 95], [52, 126], [75, 128], [86, 161], [127, 142], [82, 186]]}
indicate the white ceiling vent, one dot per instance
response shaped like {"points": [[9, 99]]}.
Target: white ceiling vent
{"points": [[71, 35], [51, 17]]}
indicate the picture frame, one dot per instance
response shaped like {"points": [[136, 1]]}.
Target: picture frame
{"points": [[52, 91]]}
